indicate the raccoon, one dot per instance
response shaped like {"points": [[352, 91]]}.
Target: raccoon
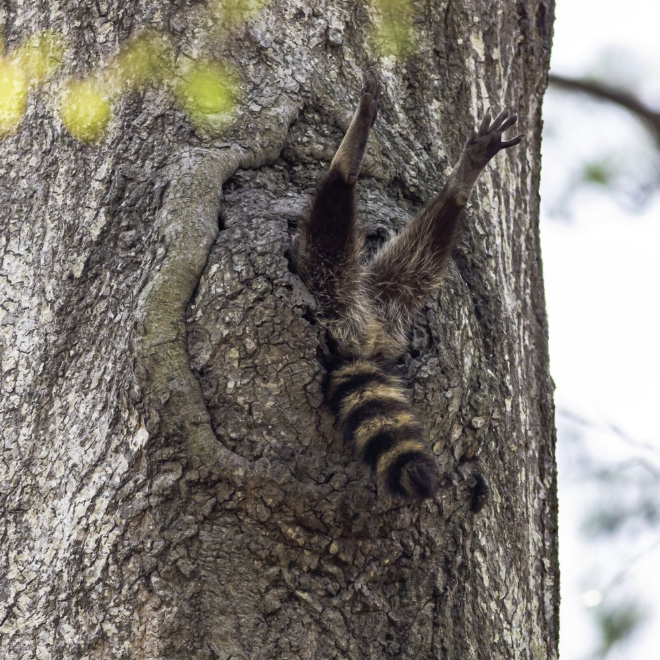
{"points": [[367, 308]]}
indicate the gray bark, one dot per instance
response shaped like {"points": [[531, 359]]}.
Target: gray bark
{"points": [[172, 485]]}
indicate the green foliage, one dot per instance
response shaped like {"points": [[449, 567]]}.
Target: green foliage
{"points": [[36, 60], [232, 12], [84, 111], [617, 624], [142, 61], [13, 96], [629, 501], [393, 32], [208, 92], [598, 173], [610, 518], [40, 56]]}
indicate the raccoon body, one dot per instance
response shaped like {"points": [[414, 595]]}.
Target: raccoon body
{"points": [[367, 308]]}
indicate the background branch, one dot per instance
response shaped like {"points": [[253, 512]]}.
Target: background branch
{"points": [[604, 92]]}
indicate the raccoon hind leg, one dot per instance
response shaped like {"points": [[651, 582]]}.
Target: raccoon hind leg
{"points": [[329, 244]]}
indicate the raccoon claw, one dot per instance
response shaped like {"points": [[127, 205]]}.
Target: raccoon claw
{"points": [[487, 141], [369, 100]]}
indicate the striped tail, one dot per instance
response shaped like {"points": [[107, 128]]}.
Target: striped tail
{"points": [[378, 421]]}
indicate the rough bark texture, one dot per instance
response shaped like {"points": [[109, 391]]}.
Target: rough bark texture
{"points": [[172, 485]]}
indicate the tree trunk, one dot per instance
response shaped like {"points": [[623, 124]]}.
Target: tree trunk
{"points": [[172, 484]]}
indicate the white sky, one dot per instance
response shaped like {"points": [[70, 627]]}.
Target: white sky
{"points": [[602, 274]]}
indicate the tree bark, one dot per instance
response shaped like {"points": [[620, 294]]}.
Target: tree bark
{"points": [[172, 485]]}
